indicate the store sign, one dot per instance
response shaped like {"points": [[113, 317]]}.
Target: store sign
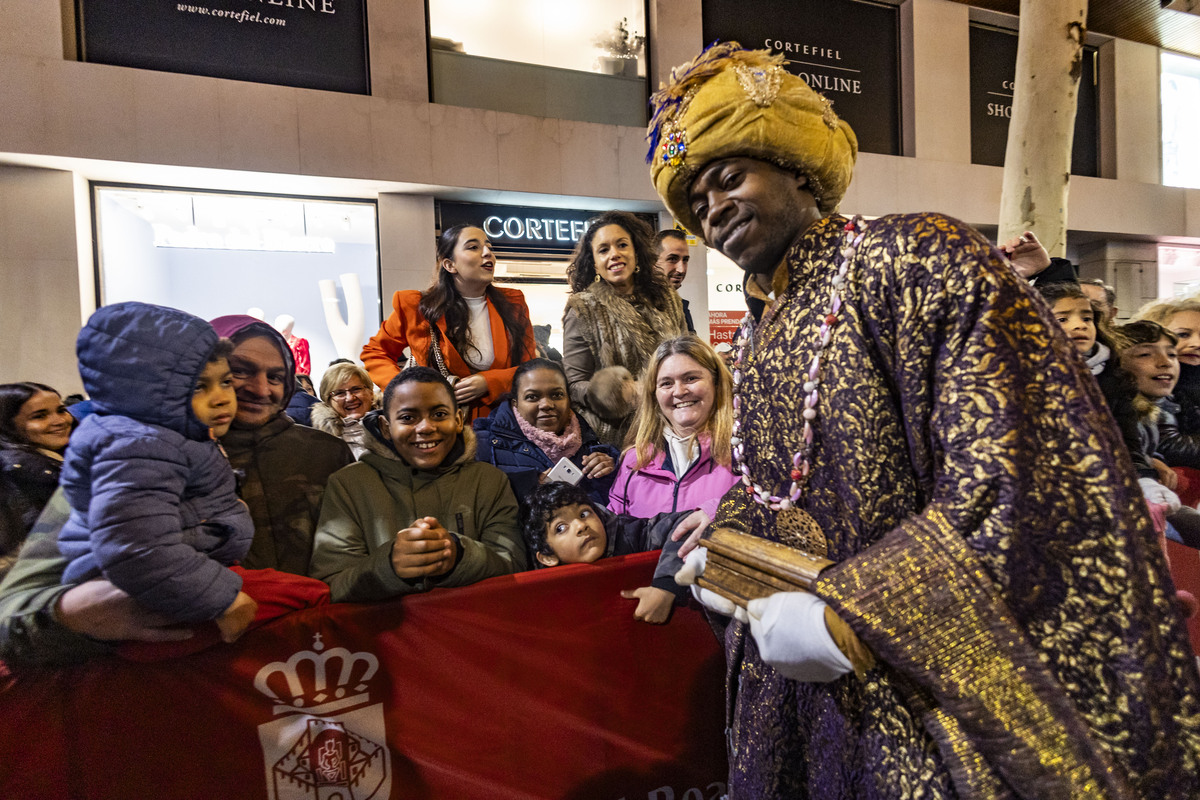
{"points": [[312, 44], [993, 76], [523, 229], [848, 50]]}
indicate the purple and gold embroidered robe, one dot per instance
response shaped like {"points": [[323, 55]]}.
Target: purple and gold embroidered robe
{"points": [[989, 538]]}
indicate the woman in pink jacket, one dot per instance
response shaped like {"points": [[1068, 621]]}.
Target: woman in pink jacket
{"points": [[680, 458]]}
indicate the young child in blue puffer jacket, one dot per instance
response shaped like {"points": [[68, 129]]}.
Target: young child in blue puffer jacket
{"points": [[154, 507]]}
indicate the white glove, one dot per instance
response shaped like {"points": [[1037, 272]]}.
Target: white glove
{"points": [[789, 628], [693, 568], [1155, 492]]}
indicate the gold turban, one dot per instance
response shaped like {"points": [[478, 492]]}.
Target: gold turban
{"points": [[730, 102]]}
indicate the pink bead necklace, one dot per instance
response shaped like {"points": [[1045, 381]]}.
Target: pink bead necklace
{"points": [[801, 460]]}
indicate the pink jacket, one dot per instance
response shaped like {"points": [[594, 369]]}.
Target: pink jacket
{"points": [[655, 490]]}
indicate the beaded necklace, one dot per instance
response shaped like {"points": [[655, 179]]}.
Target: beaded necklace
{"points": [[791, 517]]}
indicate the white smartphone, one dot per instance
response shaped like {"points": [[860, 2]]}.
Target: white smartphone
{"points": [[565, 472]]}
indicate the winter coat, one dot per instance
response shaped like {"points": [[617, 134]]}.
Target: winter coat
{"points": [[654, 489], [368, 502], [1180, 433], [606, 336], [300, 408], [28, 476], [154, 507], [502, 443], [284, 469], [283, 466], [350, 431], [383, 355]]}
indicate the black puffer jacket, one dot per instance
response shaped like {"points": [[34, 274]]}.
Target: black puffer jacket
{"points": [[27, 479], [1179, 434]]}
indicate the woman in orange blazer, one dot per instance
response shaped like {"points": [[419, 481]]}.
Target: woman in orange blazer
{"points": [[483, 331]]}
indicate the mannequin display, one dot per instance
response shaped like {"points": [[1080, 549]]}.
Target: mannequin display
{"points": [[347, 334], [284, 324]]}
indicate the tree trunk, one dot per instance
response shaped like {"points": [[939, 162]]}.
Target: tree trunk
{"points": [[1037, 161]]}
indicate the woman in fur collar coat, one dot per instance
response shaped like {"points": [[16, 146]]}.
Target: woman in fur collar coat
{"points": [[347, 394], [619, 310]]}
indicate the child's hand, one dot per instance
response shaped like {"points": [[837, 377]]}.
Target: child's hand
{"points": [[597, 465], [654, 604], [692, 526], [237, 617], [423, 549]]}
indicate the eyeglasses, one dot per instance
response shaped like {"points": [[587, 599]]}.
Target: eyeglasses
{"points": [[343, 394]]}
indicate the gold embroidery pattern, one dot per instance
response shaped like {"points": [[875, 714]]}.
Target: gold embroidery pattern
{"points": [[947, 381]]}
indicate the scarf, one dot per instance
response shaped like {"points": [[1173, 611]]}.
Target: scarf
{"points": [[553, 445], [1098, 359]]}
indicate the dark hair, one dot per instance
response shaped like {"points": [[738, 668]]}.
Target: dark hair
{"points": [[221, 351], [417, 375], [340, 361], [12, 397], [1068, 290], [1143, 331], [442, 299], [669, 233], [541, 505], [536, 363], [647, 281]]}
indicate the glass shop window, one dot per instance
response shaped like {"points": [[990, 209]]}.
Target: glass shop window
{"points": [[564, 59], [1180, 90]]}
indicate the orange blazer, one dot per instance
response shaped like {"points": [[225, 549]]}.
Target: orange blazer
{"points": [[383, 355]]}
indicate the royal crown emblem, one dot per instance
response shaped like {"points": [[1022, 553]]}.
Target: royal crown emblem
{"points": [[303, 681], [326, 740]]}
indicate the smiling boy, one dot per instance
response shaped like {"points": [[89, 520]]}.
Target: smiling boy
{"points": [[417, 511]]}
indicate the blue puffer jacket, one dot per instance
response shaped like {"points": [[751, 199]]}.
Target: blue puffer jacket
{"points": [[154, 507], [502, 444]]}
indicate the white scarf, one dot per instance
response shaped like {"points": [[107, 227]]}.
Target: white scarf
{"points": [[685, 451], [1098, 359]]}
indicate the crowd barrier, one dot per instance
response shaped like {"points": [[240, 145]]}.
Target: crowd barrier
{"points": [[538, 685]]}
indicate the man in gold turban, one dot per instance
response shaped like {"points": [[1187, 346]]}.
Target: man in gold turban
{"points": [[907, 409]]}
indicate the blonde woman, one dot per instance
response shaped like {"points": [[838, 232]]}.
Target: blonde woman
{"points": [[347, 394], [1179, 444], [680, 454]]}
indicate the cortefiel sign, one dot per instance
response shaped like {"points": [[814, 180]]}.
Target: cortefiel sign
{"points": [[848, 50], [993, 72], [312, 44], [525, 230]]}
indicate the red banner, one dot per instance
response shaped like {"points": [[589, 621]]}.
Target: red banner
{"points": [[539, 685]]}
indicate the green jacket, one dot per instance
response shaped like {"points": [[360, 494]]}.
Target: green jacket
{"points": [[29, 632], [367, 502]]}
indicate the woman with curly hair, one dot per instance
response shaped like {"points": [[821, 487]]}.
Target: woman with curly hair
{"points": [[619, 310], [473, 332]]}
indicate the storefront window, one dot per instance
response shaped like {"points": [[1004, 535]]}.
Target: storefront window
{"points": [[1178, 271], [278, 258], [565, 59], [1181, 120]]}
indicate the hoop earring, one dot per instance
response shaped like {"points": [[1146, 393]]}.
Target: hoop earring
{"points": [[597, 278]]}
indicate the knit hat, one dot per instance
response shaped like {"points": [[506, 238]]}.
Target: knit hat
{"points": [[732, 102]]}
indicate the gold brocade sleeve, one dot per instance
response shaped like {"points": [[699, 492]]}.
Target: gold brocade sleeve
{"points": [[928, 607]]}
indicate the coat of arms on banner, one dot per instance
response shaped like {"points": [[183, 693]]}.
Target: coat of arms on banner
{"points": [[326, 742]]}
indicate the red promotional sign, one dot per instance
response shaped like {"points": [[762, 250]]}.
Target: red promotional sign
{"points": [[538, 685], [723, 325]]}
